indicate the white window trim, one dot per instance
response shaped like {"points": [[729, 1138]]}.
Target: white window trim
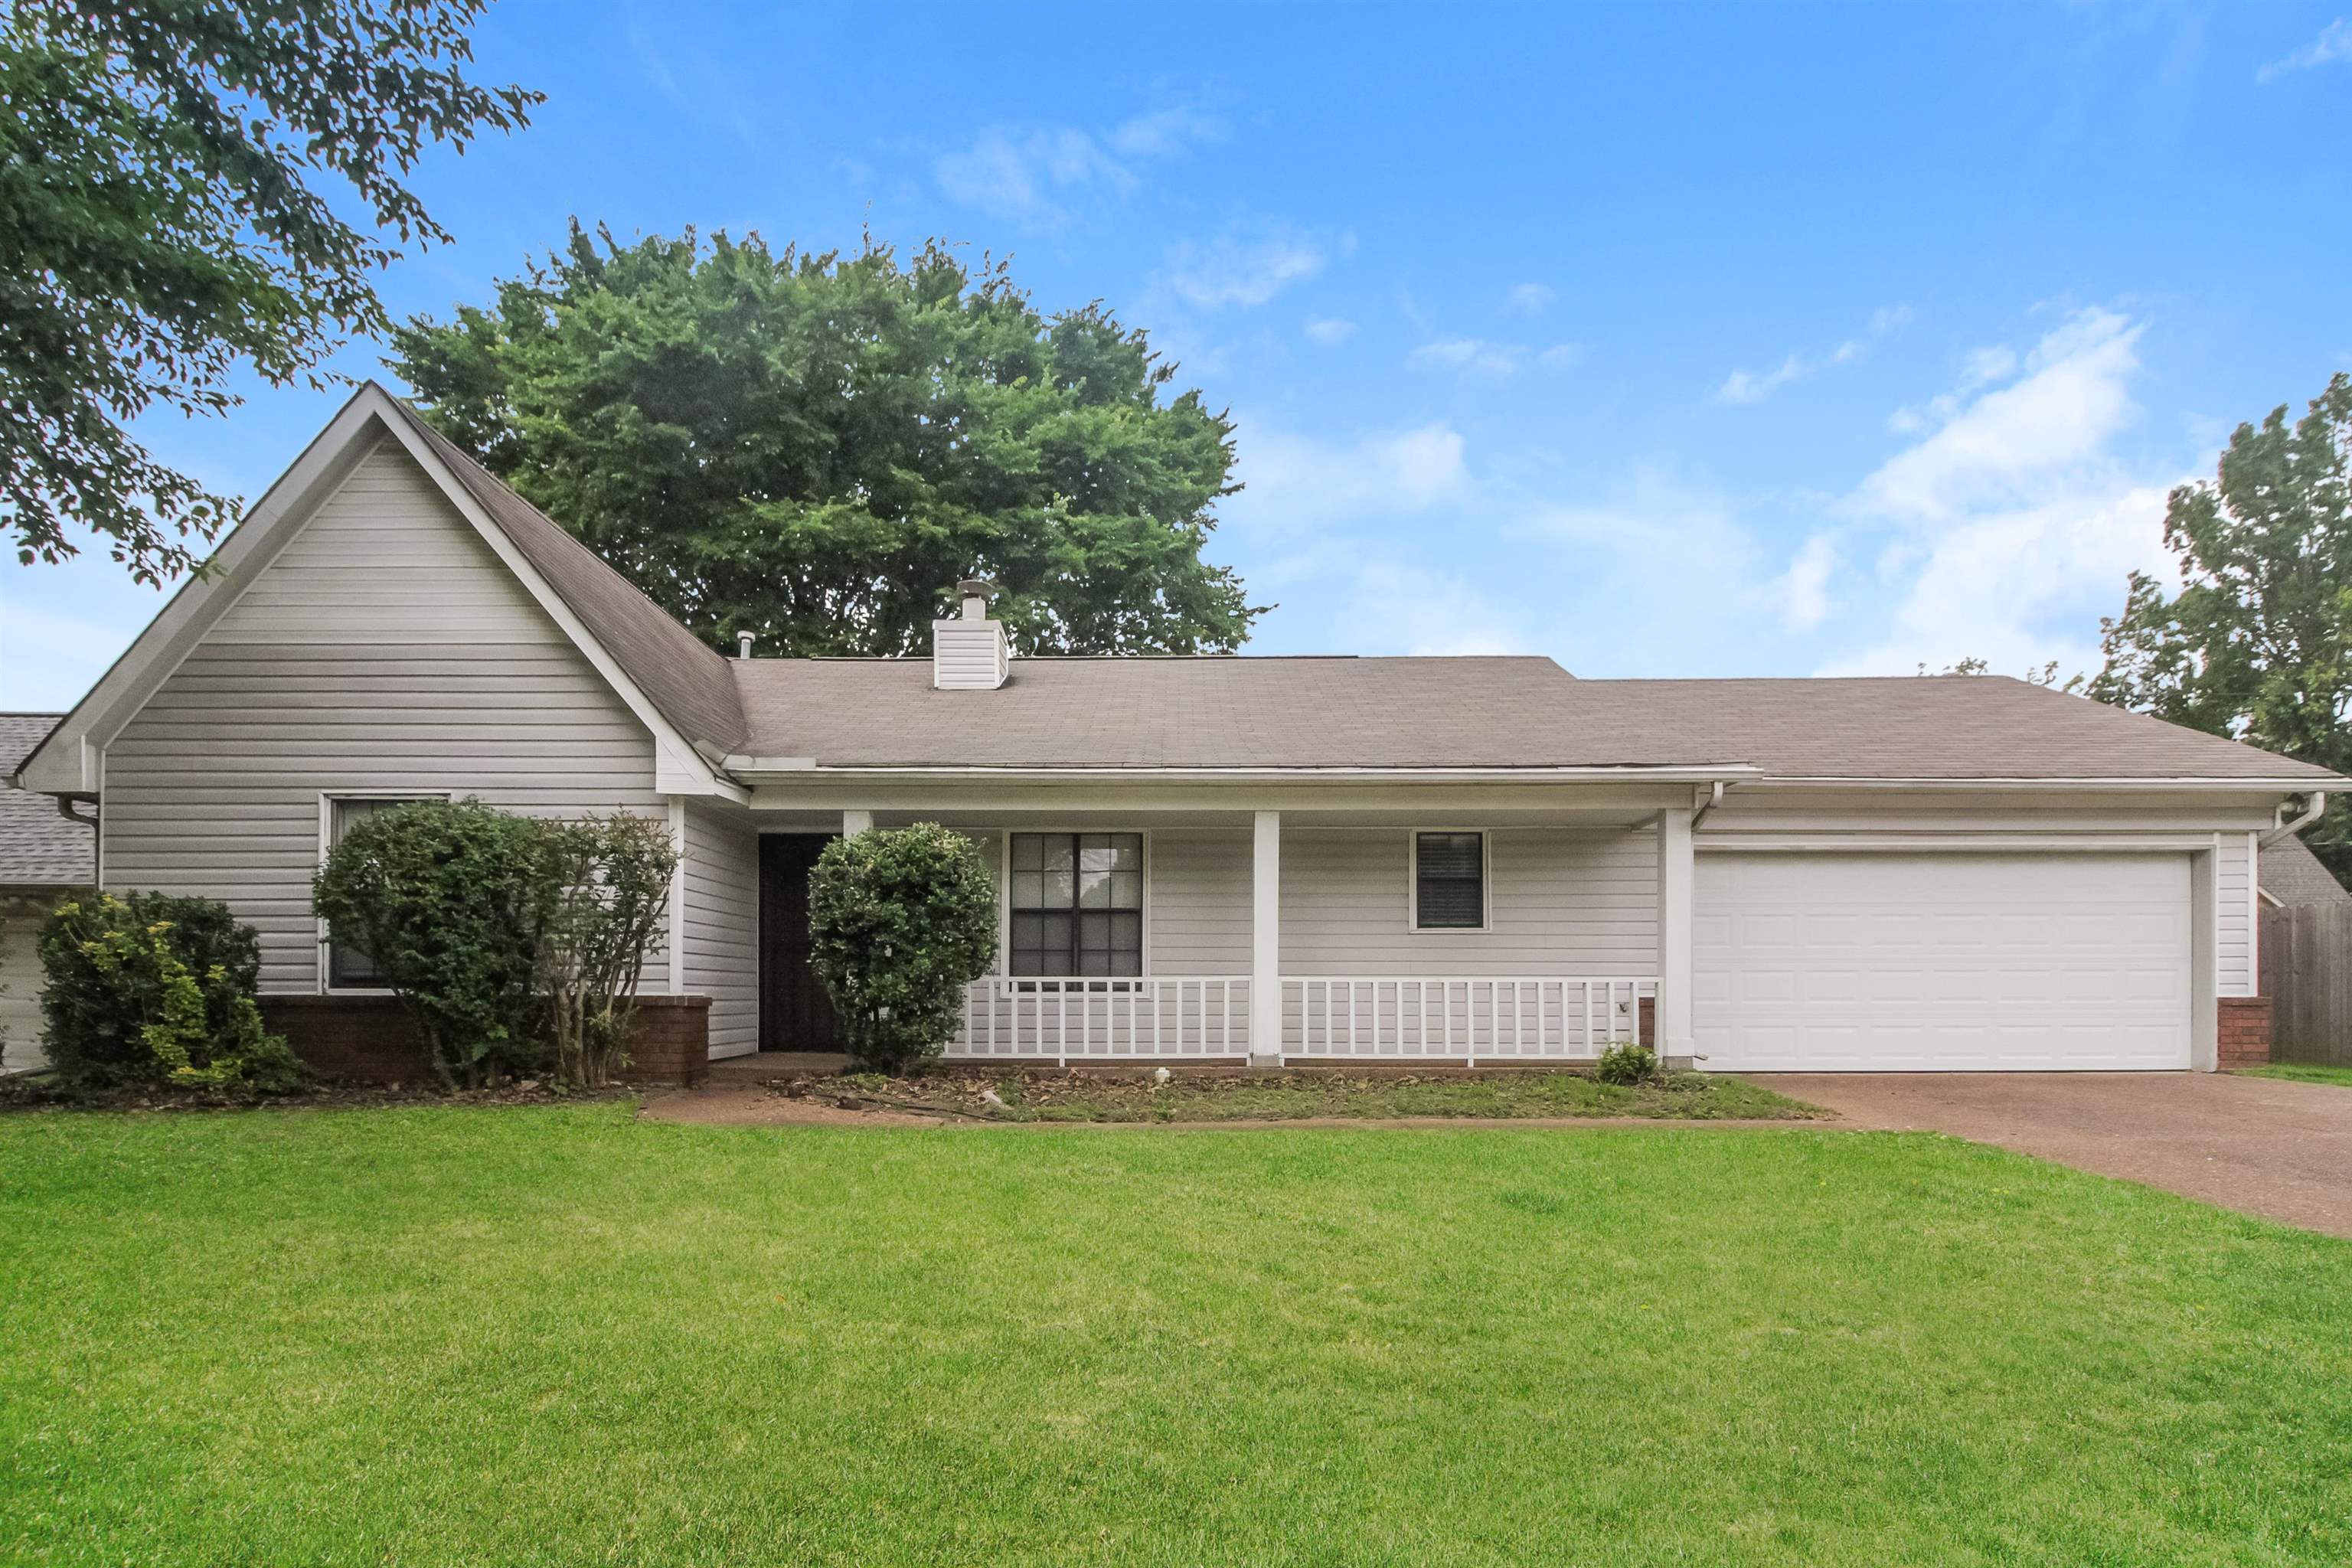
{"points": [[327, 799], [1004, 902], [1413, 883]]}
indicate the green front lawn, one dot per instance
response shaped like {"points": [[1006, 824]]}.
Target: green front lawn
{"points": [[559, 1335], [2303, 1072]]}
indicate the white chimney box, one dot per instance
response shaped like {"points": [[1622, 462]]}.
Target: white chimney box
{"points": [[969, 653]]}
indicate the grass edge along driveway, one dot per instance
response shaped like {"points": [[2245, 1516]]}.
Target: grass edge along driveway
{"points": [[562, 1335]]}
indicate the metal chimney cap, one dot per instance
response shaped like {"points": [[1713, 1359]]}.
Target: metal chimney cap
{"points": [[975, 588]]}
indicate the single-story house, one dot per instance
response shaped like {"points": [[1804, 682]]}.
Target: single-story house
{"points": [[43, 855], [1473, 860]]}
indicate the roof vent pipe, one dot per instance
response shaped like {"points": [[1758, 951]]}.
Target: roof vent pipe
{"points": [[743, 645], [971, 653]]}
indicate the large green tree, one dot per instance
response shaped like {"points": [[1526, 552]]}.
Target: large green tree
{"points": [[814, 446], [2257, 643], [169, 174]]}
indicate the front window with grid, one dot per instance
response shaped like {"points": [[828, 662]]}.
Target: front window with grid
{"points": [[348, 967], [1078, 903]]}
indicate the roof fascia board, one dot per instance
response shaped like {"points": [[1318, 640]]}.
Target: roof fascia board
{"points": [[68, 760], [2251, 786], [679, 768]]}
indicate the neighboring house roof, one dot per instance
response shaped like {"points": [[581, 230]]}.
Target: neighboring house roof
{"points": [[38, 847], [678, 672], [1226, 713], [2290, 874]]}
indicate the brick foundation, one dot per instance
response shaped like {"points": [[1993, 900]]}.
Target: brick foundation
{"points": [[370, 1038], [2244, 1032]]}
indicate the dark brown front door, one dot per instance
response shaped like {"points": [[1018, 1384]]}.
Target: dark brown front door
{"points": [[796, 1014]]}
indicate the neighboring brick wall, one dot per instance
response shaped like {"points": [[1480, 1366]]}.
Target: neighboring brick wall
{"points": [[2244, 1031], [370, 1038]]}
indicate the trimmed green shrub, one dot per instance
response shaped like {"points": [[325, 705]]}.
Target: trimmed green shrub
{"points": [[901, 921], [1626, 1065], [612, 878], [452, 900], [154, 990]]}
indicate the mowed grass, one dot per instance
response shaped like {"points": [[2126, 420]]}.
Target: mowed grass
{"points": [[2304, 1072], [427, 1336]]}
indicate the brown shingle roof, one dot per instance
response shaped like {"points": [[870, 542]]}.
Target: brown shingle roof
{"points": [[2292, 875], [680, 674], [38, 847], [1245, 712]]}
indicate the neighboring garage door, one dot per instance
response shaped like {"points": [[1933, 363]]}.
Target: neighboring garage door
{"points": [[1894, 962]]}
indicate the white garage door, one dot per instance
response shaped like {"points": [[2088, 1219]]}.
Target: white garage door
{"points": [[1884, 962]]}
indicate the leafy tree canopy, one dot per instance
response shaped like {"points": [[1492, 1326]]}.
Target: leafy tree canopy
{"points": [[161, 223], [814, 446], [2257, 643]]}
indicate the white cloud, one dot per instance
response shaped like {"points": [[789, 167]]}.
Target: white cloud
{"points": [[1749, 386], [2073, 399], [1405, 608], [1752, 387], [2009, 528], [1021, 174], [1803, 588], [1026, 172], [1292, 480], [1167, 133], [1233, 272], [1560, 356], [1329, 332], [1529, 299], [1472, 356], [2333, 46]]}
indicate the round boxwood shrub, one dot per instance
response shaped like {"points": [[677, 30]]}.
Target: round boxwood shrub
{"points": [[1627, 1064], [901, 921], [154, 990], [452, 900]]}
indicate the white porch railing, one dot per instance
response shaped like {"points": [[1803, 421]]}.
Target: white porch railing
{"points": [[1166, 1017], [1468, 1018], [1151, 1017]]}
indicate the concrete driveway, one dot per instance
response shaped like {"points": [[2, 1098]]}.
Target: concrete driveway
{"points": [[2283, 1151]]}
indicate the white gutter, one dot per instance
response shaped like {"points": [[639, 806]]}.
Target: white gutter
{"points": [[2251, 786], [803, 768], [2315, 806]]}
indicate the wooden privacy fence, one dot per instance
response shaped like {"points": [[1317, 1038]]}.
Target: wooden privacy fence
{"points": [[2307, 975]]}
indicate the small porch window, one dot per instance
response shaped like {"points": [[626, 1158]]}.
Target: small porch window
{"points": [[1449, 882], [1077, 904]]}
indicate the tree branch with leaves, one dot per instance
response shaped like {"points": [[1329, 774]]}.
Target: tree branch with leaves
{"points": [[170, 171]]}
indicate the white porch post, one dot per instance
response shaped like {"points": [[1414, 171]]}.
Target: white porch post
{"points": [[853, 822], [1265, 941], [1675, 894]]}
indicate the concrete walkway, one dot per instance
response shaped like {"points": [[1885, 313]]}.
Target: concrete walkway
{"points": [[2283, 1151]]}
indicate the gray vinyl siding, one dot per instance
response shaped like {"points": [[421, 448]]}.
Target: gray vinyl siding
{"points": [[721, 946], [2236, 923], [1559, 901], [386, 648], [20, 994], [1562, 902]]}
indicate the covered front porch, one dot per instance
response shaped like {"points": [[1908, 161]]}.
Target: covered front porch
{"points": [[1481, 923]]}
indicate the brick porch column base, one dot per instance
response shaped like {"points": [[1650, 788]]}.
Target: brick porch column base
{"points": [[2243, 1031], [370, 1038]]}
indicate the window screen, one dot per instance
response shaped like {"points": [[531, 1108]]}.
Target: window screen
{"points": [[1078, 903], [1449, 880], [346, 965]]}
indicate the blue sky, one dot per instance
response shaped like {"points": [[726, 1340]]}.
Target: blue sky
{"points": [[1666, 341]]}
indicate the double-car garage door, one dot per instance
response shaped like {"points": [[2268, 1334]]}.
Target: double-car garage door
{"points": [[1890, 963]]}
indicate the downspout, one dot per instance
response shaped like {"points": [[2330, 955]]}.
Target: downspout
{"points": [[2315, 806], [1714, 798]]}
